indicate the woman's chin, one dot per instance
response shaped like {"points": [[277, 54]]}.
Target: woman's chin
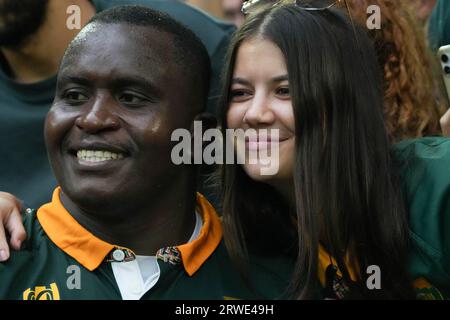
{"points": [[261, 173]]}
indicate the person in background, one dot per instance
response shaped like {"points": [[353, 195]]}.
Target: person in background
{"points": [[212, 7], [33, 37], [413, 103], [439, 36], [423, 9], [439, 25], [445, 124], [232, 11]]}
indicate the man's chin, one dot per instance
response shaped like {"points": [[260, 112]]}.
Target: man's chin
{"points": [[96, 198]]}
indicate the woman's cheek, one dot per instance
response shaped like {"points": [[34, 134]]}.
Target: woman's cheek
{"points": [[235, 116]]}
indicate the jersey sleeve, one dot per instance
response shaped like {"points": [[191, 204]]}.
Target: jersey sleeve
{"points": [[425, 171]]}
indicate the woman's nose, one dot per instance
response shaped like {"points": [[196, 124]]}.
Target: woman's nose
{"points": [[259, 112]]}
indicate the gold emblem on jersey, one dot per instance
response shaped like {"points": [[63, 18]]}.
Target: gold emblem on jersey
{"points": [[42, 293]]}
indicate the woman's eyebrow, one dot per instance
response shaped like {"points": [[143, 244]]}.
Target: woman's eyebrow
{"points": [[240, 81], [276, 79], [281, 78]]}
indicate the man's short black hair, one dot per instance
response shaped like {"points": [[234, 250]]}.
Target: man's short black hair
{"points": [[189, 53]]}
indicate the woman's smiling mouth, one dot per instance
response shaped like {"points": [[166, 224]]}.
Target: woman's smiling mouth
{"points": [[263, 143]]}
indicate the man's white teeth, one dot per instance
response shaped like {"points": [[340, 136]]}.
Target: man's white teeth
{"points": [[98, 155]]}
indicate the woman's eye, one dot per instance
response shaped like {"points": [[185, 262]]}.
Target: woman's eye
{"points": [[237, 95], [284, 92]]}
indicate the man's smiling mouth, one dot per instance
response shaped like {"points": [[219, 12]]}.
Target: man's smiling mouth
{"points": [[98, 155], [94, 155]]}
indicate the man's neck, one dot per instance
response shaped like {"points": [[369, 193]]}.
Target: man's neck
{"points": [[39, 57], [167, 219]]}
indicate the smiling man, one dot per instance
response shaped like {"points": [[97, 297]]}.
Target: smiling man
{"points": [[126, 223], [33, 37]]}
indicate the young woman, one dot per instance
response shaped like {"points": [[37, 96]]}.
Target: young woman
{"points": [[334, 204]]}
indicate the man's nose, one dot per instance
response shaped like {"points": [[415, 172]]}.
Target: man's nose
{"points": [[259, 112], [100, 116]]}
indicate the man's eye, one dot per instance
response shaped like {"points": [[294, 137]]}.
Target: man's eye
{"points": [[75, 96], [129, 98]]}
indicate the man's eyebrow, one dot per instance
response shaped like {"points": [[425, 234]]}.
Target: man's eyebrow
{"points": [[145, 84], [74, 79], [117, 82]]}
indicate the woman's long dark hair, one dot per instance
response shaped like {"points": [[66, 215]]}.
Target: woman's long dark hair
{"points": [[346, 196]]}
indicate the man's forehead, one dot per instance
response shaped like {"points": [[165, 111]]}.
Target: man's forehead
{"points": [[89, 29], [114, 38], [103, 48]]}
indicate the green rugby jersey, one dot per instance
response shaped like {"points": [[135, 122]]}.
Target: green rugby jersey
{"points": [[425, 169], [58, 249]]}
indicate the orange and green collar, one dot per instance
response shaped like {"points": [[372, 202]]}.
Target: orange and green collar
{"points": [[90, 251]]}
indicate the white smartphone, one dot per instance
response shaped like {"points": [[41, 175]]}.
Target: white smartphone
{"points": [[444, 58]]}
